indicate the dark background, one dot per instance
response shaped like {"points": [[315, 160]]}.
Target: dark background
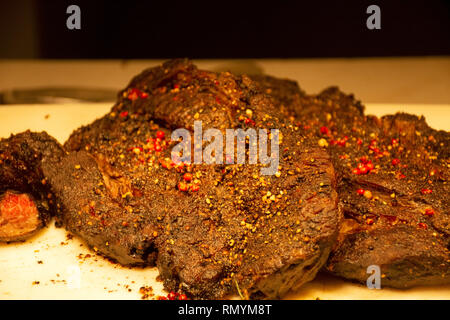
{"points": [[222, 29]]}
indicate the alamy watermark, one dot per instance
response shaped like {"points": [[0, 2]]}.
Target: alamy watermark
{"points": [[374, 20], [374, 280], [74, 20], [236, 141]]}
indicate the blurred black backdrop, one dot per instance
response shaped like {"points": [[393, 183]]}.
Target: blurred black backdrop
{"points": [[222, 29]]}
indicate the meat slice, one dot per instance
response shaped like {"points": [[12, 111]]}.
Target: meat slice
{"points": [[26, 203], [392, 183], [405, 207], [19, 216], [211, 229]]}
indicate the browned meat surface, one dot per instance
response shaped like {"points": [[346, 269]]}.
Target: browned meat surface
{"points": [[26, 204], [392, 183], [210, 229], [216, 229]]}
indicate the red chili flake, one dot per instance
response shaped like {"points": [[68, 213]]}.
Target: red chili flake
{"points": [[426, 191], [249, 121], [160, 134], [369, 221], [373, 146], [370, 166], [158, 147], [394, 142], [364, 159], [429, 212], [400, 175], [195, 187], [342, 142], [395, 161], [362, 168], [182, 297], [422, 225], [144, 95], [187, 176], [176, 86], [218, 100], [324, 130], [356, 171], [124, 114], [172, 296], [360, 191], [182, 186], [161, 298], [134, 94], [359, 141]]}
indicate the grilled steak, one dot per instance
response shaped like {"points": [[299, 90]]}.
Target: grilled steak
{"points": [[26, 203], [210, 229], [392, 183], [216, 229]]}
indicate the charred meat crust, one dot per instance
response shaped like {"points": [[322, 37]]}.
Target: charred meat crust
{"points": [[237, 229]]}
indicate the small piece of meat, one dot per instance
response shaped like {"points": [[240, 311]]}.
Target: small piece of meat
{"points": [[19, 216], [26, 202], [210, 229], [407, 256], [393, 175]]}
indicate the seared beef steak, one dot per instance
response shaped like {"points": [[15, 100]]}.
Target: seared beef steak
{"points": [[403, 214], [210, 229], [392, 183], [26, 203]]}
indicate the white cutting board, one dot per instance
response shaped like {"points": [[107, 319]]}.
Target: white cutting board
{"points": [[54, 261]]}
